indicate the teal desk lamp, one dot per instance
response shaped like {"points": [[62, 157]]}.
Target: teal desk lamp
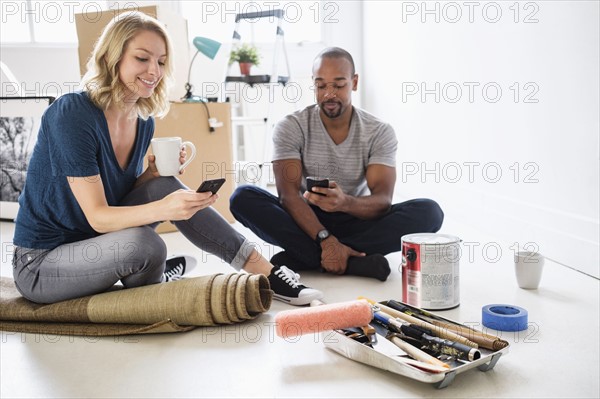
{"points": [[209, 48]]}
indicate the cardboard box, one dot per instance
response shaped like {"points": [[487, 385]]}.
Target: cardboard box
{"points": [[90, 25], [214, 151]]}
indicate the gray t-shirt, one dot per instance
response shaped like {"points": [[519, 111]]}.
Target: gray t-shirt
{"points": [[302, 135]]}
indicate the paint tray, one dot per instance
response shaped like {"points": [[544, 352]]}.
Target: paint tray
{"points": [[383, 354]]}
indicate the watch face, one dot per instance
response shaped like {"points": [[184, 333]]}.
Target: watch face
{"points": [[323, 234]]}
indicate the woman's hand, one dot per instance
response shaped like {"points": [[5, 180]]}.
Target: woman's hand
{"points": [[152, 163], [183, 204], [182, 157], [152, 166]]}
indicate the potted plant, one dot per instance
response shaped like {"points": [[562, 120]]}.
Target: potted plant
{"points": [[246, 55]]}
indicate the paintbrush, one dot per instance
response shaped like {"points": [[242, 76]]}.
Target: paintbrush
{"points": [[439, 331], [482, 339], [412, 351]]}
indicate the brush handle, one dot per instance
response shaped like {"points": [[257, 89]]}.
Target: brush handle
{"points": [[450, 348], [417, 353], [412, 351], [482, 339], [440, 332]]}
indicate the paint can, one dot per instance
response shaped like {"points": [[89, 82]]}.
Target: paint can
{"points": [[430, 271]]}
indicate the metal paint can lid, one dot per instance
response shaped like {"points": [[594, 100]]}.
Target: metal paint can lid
{"points": [[430, 238]]}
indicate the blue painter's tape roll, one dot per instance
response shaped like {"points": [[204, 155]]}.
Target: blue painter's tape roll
{"points": [[504, 317]]}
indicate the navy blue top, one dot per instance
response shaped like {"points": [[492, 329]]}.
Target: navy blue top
{"points": [[73, 141]]}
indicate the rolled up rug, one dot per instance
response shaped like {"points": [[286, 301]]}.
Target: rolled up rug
{"points": [[170, 307]]}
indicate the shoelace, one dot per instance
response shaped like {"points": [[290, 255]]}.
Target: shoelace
{"points": [[288, 276], [175, 273]]}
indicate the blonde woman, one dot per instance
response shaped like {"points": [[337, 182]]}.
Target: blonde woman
{"points": [[88, 209]]}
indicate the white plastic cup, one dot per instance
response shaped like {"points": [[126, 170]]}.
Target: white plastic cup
{"points": [[166, 152], [528, 269]]}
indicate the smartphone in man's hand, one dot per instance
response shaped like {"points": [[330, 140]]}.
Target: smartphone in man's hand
{"points": [[313, 182], [211, 185]]}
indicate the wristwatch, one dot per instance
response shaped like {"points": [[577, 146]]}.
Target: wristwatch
{"points": [[322, 235]]}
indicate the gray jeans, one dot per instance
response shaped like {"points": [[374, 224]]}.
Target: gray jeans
{"points": [[135, 256]]}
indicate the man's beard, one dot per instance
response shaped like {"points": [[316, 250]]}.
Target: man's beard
{"points": [[331, 113]]}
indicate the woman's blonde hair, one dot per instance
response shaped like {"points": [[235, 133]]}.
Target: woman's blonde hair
{"points": [[101, 80]]}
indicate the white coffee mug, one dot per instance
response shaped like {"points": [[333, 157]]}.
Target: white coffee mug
{"points": [[166, 152], [528, 269]]}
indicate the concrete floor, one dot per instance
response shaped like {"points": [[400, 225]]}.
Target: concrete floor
{"points": [[557, 356]]}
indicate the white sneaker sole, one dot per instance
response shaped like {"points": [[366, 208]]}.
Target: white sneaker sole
{"points": [[300, 301]]}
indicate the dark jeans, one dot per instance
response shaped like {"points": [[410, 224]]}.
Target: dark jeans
{"points": [[262, 213]]}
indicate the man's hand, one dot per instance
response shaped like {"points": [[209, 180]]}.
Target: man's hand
{"points": [[334, 255], [380, 180], [332, 199]]}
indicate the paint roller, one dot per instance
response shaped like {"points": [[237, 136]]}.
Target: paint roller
{"points": [[338, 316], [326, 317]]}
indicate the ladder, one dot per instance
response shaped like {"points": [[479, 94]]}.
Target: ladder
{"points": [[242, 118]]}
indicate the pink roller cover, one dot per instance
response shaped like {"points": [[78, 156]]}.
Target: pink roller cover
{"points": [[291, 323]]}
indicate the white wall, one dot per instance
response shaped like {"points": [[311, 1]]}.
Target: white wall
{"points": [[553, 200], [554, 141]]}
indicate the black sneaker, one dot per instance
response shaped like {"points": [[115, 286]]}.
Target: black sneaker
{"points": [[174, 269], [287, 288]]}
